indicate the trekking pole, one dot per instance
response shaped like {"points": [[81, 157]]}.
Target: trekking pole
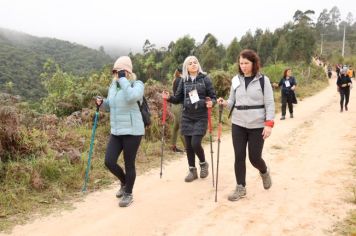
{"points": [[217, 160], [84, 189], [210, 127], [163, 126]]}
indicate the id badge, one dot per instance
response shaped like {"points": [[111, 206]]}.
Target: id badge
{"points": [[193, 95], [287, 83]]}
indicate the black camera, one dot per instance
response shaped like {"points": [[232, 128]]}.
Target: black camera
{"points": [[122, 73]]}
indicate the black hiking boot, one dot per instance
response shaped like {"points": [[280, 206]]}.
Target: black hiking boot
{"points": [[126, 200], [283, 118], [192, 175], [204, 169], [291, 115], [346, 109], [121, 191]]}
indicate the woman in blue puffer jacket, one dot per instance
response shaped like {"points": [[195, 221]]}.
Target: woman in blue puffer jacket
{"points": [[127, 126]]}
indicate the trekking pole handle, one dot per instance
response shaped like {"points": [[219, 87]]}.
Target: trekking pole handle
{"points": [[221, 107], [207, 99]]}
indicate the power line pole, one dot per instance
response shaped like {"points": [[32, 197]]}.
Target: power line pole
{"points": [[343, 42]]}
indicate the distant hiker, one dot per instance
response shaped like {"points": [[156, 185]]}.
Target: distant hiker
{"points": [[337, 69], [344, 84], [177, 112], [350, 72], [127, 127], [192, 91], [251, 98], [329, 71], [288, 84]]}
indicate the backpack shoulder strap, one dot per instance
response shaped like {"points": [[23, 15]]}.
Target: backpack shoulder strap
{"points": [[262, 83], [233, 105], [139, 105]]}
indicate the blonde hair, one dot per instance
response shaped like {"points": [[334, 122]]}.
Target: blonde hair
{"points": [[185, 73]]}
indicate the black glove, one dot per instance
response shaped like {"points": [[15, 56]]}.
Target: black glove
{"points": [[122, 73]]}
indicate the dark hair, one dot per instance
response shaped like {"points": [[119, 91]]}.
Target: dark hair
{"points": [[252, 57], [177, 73], [285, 72]]}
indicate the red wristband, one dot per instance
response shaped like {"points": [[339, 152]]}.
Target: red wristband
{"points": [[269, 123]]}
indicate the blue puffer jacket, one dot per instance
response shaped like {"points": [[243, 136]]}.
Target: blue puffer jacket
{"points": [[125, 115]]}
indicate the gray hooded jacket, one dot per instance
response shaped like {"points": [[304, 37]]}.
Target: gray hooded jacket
{"points": [[252, 96]]}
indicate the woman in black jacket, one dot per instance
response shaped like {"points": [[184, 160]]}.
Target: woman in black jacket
{"points": [[193, 91], [288, 84], [344, 83]]}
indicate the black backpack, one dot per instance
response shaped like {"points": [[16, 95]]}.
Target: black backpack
{"points": [[145, 112]]}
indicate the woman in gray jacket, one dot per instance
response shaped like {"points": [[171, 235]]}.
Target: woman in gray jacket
{"points": [[127, 126], [252, 104]]}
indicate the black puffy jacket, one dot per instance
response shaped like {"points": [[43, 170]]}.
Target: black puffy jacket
{"points": [[195, 116], [204, 87]]}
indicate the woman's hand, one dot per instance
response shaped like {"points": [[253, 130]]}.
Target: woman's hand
{"points": [[165, 95], [221, 101], [99, 101], [293, 87], [266, 132]]}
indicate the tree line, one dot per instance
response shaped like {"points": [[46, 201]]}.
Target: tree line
{"points": [[297, 40]]}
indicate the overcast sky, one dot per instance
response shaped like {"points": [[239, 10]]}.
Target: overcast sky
{"points": [[127, 23]]}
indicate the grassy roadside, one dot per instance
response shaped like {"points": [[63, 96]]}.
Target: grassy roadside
{"points": [[21, 202]]}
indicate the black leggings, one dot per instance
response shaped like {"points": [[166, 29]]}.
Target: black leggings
{"points": [[344, 95], [287, 99], [129, 144], [240, 137], [193, 146]]}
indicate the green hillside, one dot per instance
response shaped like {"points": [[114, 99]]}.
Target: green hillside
{"points": [[22, 57]]}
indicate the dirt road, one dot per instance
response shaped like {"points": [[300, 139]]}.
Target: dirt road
{"points": [[309, 158]]}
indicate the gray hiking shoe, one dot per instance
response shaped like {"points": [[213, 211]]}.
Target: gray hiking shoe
{"points": [[126, 200], [283, 118], [192, 175], [121, 191], [266, 179], [238, 193], [204, 169]]}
